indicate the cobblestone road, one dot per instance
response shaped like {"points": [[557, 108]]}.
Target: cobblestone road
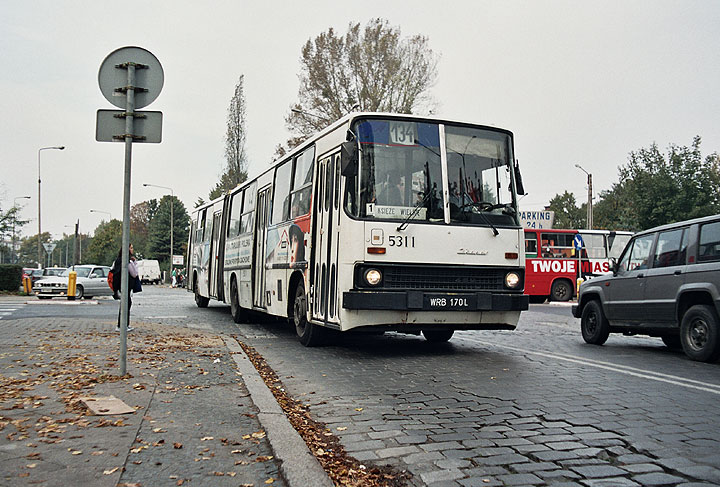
{"points": [[531, 407]]}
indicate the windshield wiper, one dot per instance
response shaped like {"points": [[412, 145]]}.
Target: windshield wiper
{"points": [[418, 205], [484, 206]]}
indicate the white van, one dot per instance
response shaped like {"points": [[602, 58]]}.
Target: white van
{"points": [[149, 271]]}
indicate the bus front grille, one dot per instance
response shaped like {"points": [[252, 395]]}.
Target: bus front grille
{"points": [[444, 278]]}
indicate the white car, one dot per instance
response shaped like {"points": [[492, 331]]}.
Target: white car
{"points": [[91, 281]]}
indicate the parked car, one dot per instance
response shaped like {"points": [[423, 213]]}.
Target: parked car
{"points": [[91, 281], [666, 284], [149, 271]]}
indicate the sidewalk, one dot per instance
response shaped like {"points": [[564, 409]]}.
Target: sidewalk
{"points": [[195, 422]]}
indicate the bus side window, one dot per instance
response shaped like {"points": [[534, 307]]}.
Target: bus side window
{"points": [[247, 220], [302, 184], [281, 194], [531, 247], [235, 212]]}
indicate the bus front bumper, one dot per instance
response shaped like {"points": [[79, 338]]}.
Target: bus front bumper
{"points": [[434, 301]]}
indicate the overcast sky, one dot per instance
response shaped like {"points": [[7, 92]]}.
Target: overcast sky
{"points": [[577, 82]]}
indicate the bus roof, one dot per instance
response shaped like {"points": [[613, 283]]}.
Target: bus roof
{"points": [[345, 120]]}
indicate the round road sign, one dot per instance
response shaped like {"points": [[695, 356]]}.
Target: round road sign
{"points": [[150, 78]]}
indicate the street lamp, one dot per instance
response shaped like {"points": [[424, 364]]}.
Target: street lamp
{"points": [[100, 211], [14, 253], [589, 203], [61, 147], [172, 203]]}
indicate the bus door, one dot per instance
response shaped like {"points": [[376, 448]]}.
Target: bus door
{"points": [[323, 275], [215, 251], [258, 278]]}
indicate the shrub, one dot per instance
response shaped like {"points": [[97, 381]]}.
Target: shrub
{"points": [[10, 277]]}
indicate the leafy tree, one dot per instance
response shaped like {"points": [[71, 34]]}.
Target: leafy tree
{"points": [[567, 213], [159, 242], [141, 215], [613, 210], [105, 244], [372, 69], [9, 221], [27, 250], [667, 188], [235, 156]]}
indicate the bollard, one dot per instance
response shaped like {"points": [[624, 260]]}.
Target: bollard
{"points": [[72, 280], [27, 285], [580, 280]]}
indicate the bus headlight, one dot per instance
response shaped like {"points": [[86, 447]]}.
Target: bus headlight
{"points": [[373, 277], [512, 280]]}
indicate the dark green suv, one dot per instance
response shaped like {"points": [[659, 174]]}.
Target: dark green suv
{"points": [[666, 284]]}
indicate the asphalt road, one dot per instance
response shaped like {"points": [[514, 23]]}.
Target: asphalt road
{"points": [[535, 406]]}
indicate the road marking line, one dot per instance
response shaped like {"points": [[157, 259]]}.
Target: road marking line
{"points": [[163, 317], [623, 369]]}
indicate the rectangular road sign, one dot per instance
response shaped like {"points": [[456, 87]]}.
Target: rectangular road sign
{"points": [[110, 126]]}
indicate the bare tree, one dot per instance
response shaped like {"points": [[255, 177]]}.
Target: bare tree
{"points": [[235, 157], [369, 69]]}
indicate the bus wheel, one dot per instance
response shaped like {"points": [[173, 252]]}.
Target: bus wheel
{"points": [[699, 333], [438, 336], [201, 301], [561, 290], [237, 313], [593, 324], [310, 335]]}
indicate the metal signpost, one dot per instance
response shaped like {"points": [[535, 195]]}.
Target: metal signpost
{"points": [[129, 78], [578, 244]]}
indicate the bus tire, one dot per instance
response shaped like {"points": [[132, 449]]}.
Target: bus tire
{"points": [[593, 324], [201, 301], [561, 290], [310, 335], [438, 336], [699, 333], [236, 311]]}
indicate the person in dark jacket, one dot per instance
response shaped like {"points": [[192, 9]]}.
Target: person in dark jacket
{"points": [[132, 275]]}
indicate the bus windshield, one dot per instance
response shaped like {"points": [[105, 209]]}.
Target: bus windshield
{"points": [[401, 173]]}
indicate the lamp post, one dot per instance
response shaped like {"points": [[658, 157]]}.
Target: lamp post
{"points": [[14, 253], [100, 211], [589, 203], [39, 246], [172, 203]]}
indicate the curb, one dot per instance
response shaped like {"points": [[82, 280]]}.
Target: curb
{"points": [[299, 467], [64, 303]]}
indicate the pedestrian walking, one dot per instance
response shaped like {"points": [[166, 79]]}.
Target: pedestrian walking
{"points": [[174, 278], [132, 282]]}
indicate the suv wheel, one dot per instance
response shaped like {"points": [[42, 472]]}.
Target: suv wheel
{"points": [[699, 333], [593, 324]]}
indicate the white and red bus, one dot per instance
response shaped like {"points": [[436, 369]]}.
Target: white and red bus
{"points": [[551, 261], [379, 222]]}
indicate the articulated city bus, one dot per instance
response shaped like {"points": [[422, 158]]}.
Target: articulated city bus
{"points": [[551, 260], [380, 222]]}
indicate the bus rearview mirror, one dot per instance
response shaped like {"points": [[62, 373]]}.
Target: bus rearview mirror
{"points": [[348, 158], [518, 180]]}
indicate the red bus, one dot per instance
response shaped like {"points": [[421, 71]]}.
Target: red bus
{"points": [[551, 260]]}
